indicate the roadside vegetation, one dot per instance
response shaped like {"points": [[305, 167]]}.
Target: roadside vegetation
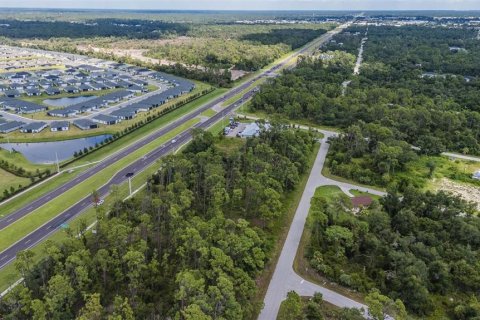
{"points": [[406, 248], [391, 106], [298, 308], [226, 204]]}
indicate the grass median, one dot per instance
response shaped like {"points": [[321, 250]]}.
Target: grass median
{"points": [[240, 94], [10, 275], [100, 154], [38, 217]]}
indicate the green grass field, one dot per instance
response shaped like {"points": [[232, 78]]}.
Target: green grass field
{"points": [[37, 191], [19, 160], [357, 193], [8, 180], [209, 113]]}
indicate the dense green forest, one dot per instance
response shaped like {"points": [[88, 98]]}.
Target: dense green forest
{"points": [[389, 93], [129, 28], [423, 249], [190, 247], [389, 107], [249, 52], [294, 38], [219, 53]]}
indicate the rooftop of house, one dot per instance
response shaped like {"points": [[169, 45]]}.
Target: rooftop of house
{"points": [[361, 201]]}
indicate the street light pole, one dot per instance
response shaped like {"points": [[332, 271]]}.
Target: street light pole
{"points": [[130, 185], [58, 165]]}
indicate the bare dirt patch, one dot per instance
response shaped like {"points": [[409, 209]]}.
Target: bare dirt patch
{"points": [[467, 192]]}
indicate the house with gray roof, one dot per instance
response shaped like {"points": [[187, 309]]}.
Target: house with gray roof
{"points": [[12, 93], [57, 126], [51, 91], [124, 114], [34, 127], [32, 92], [85, 124], [71, 89], [106, 119], [62, 113], [11, 126]]}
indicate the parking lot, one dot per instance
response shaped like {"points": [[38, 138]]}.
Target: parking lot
{"points": [[233, 132]]}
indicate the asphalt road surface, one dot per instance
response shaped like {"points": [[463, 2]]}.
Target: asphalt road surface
{"points": [[284, 278], [9, 254]]}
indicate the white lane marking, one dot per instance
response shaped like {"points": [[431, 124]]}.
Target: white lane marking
{"points": [[28, 241]]}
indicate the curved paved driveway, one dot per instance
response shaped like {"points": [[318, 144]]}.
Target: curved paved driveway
{"points": [[284, 278]]}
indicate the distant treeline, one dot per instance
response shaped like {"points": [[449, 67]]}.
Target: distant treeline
{"points": [[133, 29], [295, 38]]}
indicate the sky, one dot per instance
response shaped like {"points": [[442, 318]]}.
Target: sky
{"points": [[250, 4]]}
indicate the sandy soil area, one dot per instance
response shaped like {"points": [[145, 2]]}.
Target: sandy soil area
{"points": [[465, 191]]}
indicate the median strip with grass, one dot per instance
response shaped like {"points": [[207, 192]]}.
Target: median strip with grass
{"points": [[240, 94], [10, 274], [37, 218], [102, 153]]}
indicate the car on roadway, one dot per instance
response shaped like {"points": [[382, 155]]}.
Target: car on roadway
{"points": [[99, 202], [174, 141]]}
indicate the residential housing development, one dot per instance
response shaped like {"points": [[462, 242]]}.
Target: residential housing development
{"points": [[113, 91]]}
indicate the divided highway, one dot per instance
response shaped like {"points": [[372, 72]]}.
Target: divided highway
{"points": [[9, 254]]}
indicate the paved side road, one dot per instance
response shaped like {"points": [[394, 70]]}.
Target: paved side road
{"points": [[460, 156], [284, 278]]}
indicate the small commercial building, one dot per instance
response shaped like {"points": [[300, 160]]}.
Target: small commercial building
{"points": [[59, 126], [34, 127], [85, 124]]}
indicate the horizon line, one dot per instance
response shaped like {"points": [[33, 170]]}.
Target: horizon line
{"points": [[245, 10]]}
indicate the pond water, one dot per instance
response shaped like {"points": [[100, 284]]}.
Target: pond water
{"points": [[67, 101], [46, 152]]}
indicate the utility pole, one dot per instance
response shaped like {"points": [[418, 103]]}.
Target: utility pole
{"points": [[130, 185], [8, 141], [129, 176], [58, 165]]}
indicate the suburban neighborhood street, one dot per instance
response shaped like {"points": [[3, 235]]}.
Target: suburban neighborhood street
{"points": [[285, 279]]}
